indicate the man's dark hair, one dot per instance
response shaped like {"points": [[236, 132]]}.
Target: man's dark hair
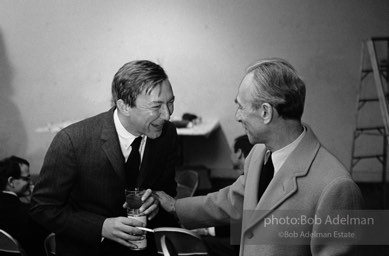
{"points": [[19, 160], [242, 142], [10, 167], [134, 78]]}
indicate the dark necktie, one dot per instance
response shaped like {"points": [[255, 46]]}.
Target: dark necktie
{"points": [[266, 176], [133, 163]]}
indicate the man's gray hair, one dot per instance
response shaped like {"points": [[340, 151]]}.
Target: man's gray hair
{"points": [[277, 83]]}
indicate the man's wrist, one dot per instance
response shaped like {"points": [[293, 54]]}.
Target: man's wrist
{"points": [[173, 210], [173, 207]]}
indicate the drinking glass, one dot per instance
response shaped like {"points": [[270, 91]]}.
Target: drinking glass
{"points": [[134, 202]]}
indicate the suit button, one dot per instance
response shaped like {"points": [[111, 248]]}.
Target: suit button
{"points": [[250, 235]]}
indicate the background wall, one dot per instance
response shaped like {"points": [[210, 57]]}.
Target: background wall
{"points": [[57, 60]]}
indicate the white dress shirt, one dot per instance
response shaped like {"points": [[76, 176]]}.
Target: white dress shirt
{"points": [[279, 157], [126, 138]]}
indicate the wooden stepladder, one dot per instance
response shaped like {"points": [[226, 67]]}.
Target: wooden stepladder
{"points": [[372, 105]]}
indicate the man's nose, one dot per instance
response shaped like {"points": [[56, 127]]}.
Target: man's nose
{"points": [[237, 115], [165, 112]]}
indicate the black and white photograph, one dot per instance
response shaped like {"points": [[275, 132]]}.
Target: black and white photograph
{"points": [[194, 127]]}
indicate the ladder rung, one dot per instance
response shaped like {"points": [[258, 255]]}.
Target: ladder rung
{"points": [[368, 156], [380, 38], [373, 98], [368, 99], [369, 131], [382, 67], [370, 128]]}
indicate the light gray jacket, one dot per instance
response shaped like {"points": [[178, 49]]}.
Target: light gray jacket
{"points": [[311, 180]]}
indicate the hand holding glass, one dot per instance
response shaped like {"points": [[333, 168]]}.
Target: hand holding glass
{"points": [[134, 202]]}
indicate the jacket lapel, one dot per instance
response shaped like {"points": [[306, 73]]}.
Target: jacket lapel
{"points": [[111, 145], [284, 183], [252, 179]]}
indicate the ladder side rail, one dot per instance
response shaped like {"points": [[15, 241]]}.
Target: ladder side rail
{"points": [[358, 107], [379, 85], [384, 167]]}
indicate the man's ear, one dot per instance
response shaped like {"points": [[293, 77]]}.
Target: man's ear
{"points": [[267, 112], [123, 107], [239, 153], [10, 181]]}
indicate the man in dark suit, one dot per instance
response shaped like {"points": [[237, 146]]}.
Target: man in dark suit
{"points": [[288, 174], [80, 191], [14, 217]]}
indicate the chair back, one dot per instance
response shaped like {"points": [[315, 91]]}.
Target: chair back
{"points": [[49, 244], [10, 245], [178, 241], [187, 183]]}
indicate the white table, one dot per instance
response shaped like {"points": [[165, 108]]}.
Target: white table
{"points": [[205, 128]]}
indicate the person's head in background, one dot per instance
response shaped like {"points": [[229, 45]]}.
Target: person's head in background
{"points": [[143, 97], [270, 101], [242, 148], [15, 175]]}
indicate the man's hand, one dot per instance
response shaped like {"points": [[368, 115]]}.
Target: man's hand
{"points": [[122, 230], [150, 204], [167, 202]]}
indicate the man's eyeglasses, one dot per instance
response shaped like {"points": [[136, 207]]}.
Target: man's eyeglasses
{"points": [[25, 178]]}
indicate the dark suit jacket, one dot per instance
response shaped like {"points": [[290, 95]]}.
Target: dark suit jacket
{"points": [[310, 182], [82, 183], [15, 220]]}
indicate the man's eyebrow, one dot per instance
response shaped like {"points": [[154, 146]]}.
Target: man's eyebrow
{"points": [[160, 101]]}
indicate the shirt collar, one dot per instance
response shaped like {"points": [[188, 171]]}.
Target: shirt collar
{"points": [[10, 192], [279, 157], [124, 135]]}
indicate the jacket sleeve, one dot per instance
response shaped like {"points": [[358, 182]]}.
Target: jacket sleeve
{"points": [[217, 208], [51, 196], [341, 196], [213, 209]]}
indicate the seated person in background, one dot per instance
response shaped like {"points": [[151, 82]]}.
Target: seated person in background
{"points": [[242, 147], [14, 217], [218, 239]]}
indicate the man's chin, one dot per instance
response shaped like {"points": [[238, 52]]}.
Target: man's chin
{"points": [[154, 134], [26, 192]]}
